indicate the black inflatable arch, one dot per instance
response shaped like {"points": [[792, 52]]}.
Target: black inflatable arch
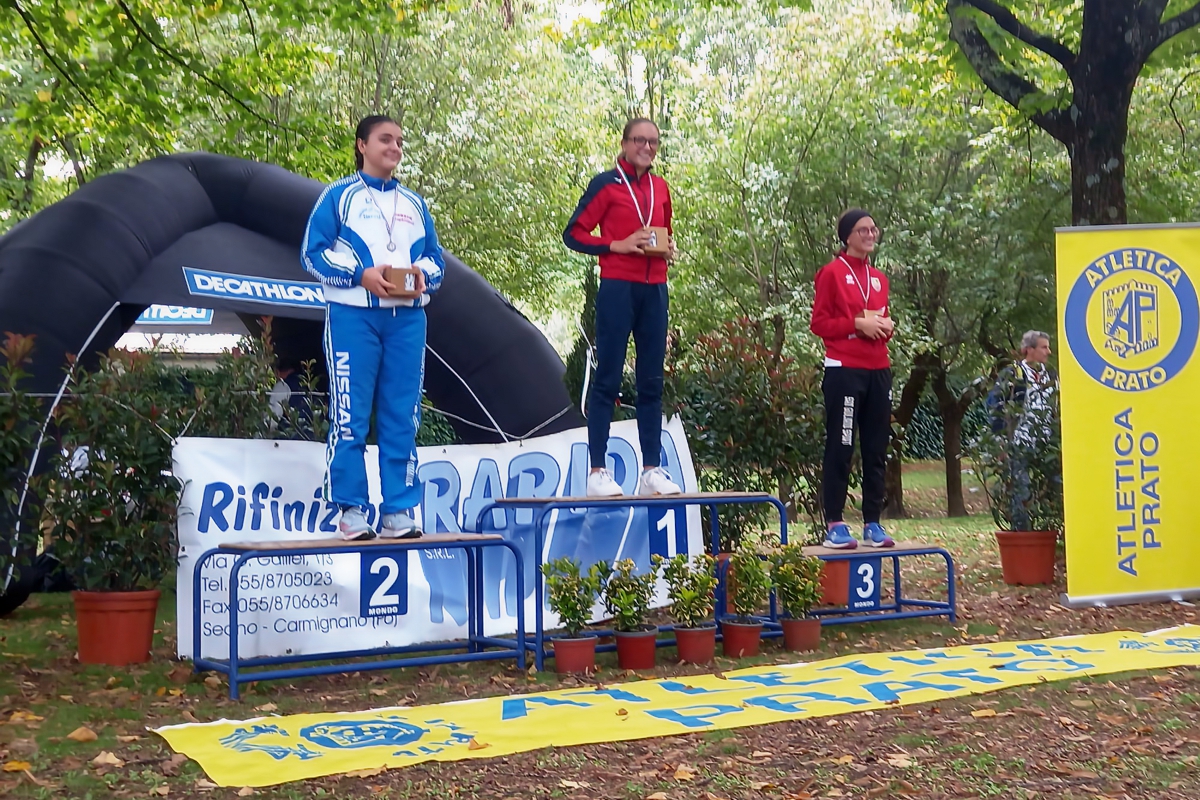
{"points": [[79, 273]]}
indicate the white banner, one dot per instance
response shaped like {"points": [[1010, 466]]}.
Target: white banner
{"points": [[257, 490]]}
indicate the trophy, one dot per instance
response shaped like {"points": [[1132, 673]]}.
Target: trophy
{"points": [[405, 281], [659, 244]]}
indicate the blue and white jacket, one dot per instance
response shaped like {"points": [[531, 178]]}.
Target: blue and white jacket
{"points": [[346, 235]]}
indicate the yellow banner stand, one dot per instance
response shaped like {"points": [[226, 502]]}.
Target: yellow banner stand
{"points": [[273, 750], [1130, 393]]}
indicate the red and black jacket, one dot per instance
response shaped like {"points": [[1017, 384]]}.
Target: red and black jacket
{"points": [[840, 288], [607, 204]]}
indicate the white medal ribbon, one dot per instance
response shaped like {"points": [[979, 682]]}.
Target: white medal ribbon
{"points": [[637, 206], [866, 293], [388, 223]]}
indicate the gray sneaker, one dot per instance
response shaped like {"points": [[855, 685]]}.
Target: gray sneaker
{"points": [[354, 526], [399, 526]]}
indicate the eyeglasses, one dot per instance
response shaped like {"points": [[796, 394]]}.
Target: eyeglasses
{"points": [[869, 233], [642, 141]]}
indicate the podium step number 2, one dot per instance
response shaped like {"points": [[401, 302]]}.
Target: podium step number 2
{"points": [[383, 584]]}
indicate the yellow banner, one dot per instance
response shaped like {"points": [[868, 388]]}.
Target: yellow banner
{"points": [[1127, 302], [273, 750]]}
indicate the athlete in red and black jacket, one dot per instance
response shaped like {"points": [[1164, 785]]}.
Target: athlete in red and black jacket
{"points": [[625, 203], [850, 314]]}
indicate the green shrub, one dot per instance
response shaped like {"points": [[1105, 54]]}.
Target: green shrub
{"points": [[796, 578], [627, 596], [755, 422], [571, 593], [750, 585], [690, 585]]}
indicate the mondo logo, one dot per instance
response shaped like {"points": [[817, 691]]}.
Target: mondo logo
{"points": [[1132, 319]]}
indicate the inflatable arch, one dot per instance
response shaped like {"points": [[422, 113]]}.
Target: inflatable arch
{"points": [[223, 233]]}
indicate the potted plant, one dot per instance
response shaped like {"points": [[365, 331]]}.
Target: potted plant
{"points": [[690, 584], [740, 634], [111, 503], [627, 598], [1019, 460], [797, 581], [571, 594]]}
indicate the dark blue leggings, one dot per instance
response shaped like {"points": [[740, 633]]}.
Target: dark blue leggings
{"points": [[622, 308]]}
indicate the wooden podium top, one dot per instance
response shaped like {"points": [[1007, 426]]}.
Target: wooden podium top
{"points": [[298, 544], [693, 497], [865, 551]]}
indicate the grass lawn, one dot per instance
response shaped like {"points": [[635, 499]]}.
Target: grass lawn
{"points": [[1121, 736]]}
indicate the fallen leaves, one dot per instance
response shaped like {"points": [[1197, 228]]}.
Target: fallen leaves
{"points": [[983, 713], [245, 791], [83, 734], [844, 760], [685, 773], [657, 796], [267, 708], [900, 761], [182, 673], [365, 773], [474, 745], [107, 759], [16, 766], [161, 791], [23, 718], [171, 767], [565, 784]]}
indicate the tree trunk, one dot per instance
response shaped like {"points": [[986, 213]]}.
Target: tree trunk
{"points": [[893, 477], [952, 410], [1103, 77], [29, 177], [1097, 152]]}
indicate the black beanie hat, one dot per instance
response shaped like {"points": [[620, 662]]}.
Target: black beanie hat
{"points": [[847, 221]]}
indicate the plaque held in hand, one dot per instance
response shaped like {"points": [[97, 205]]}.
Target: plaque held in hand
{"points": [[405, 279], [660, 242]]}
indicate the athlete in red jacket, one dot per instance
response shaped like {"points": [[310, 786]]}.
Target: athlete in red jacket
{"points": [[850, 314], [625, 203]]}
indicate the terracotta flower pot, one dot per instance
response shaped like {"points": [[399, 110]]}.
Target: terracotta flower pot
{"points": [[740, 639], [636, 649], [697, 645], [1027, 557], [801, 635], [575, 655], [115, 628], [835, 583]]}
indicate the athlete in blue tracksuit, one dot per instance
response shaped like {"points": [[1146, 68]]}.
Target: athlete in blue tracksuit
{"points": [[374, 344]]}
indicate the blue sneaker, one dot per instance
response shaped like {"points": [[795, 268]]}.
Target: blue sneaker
{"points": [[838, 537], [875, 536]]}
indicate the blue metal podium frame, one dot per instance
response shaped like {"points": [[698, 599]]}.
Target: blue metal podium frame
{"points": [[543, 507], [895, 609], [475, 642]]}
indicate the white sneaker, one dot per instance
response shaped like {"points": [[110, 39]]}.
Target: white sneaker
{"points": [[399, 526], [656, 481], [601, 484], [354, 526]]}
